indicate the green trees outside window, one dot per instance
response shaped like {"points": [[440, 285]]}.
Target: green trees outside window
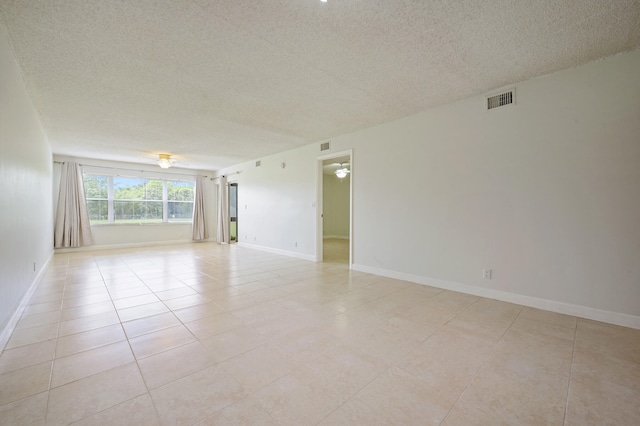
{"points": [[96, 191], [115, 199]]}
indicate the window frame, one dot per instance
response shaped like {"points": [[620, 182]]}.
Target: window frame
{"points": [[165, 220]]}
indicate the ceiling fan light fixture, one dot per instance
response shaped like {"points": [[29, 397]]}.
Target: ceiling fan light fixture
{"points": [[342, 172], [164, 161]]}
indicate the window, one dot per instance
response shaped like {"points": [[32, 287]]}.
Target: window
{"points": [[96, 190], [137, 200], [115, 199], [180, 201]]}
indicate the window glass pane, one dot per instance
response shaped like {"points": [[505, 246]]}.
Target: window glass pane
{"points": [[137, 200], [180, 201], [180, 211], [96, 190], [180, 191], [96, 186], [131, 211], [136, 189], [97, 211], [153, 190]]}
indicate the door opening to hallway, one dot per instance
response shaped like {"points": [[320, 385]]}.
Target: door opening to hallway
{"points": [[335, 219]]}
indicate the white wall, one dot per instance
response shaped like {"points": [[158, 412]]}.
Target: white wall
{"points": [[546, 193], [335, 206], [121, 235], [276, 205], [26, 225]]}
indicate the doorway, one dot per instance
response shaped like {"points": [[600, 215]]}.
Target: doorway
{"points": [[334, 231], [233, 212]]}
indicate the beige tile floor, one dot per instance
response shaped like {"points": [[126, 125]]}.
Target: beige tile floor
{"points": [[335, 250], [208, 334]]}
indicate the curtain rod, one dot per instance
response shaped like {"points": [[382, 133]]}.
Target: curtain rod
{"points": [[227, 174], [132, 170]]}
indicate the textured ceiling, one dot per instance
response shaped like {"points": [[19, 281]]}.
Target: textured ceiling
{"points": [[218, 82]]}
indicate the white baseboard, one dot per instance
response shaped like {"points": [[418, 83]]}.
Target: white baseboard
{"points": [[279, 251], [10, 325], [129, 245], [335, 237], [616, 318]]}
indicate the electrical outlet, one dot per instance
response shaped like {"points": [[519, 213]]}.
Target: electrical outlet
{"points": [[486, 274]]}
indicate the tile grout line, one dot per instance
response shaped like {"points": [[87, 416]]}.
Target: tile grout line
{"points": [[354, 396], [196, 340], [483, 363], [573, 352], [132, 353], [55, 349], [135, 358]]}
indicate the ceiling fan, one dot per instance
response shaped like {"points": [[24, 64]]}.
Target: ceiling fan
{"points": [[342, 171]]}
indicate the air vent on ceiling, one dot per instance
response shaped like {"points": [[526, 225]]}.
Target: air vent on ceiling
{"points": [[325, 146], [502, 99], [258, 163]]}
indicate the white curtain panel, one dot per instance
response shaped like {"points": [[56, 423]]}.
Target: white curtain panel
{"points": [[199, 230], [223, 212], [72, 218]]}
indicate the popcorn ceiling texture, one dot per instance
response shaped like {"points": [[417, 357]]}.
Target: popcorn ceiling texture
{"points": [[215, 83]]}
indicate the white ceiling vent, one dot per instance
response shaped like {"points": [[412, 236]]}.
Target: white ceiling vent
{"points": [[501, 99], [325, 146]]}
